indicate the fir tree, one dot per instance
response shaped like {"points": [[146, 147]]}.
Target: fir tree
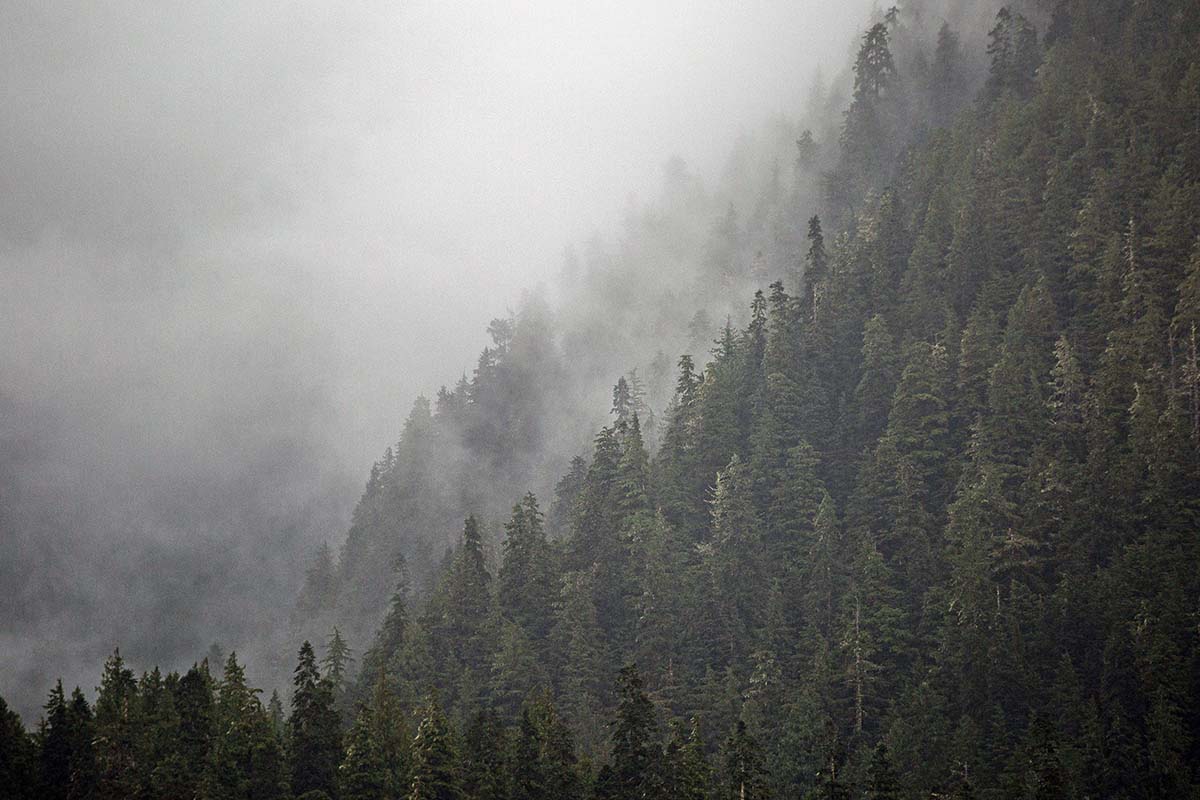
{"points": [[314, 729], [745, 772], [19, 759], [363, 774], [636, 750], [116, 731], [883, 783], [436, 767], [524, 587]]}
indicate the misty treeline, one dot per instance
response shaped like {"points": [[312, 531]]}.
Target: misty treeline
{"points": [[922, 522]]}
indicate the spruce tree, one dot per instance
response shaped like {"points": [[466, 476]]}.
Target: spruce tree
{"points": [[883, 783], [745, 772], [314, 729], [686, 771], [485, 746], [363, 774], [528, 780], [19, 773], [436, 765], [636, 749], [117, 723], [525, 584], [55, 745], [197, 723]]}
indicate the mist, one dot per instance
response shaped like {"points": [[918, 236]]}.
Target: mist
{"points": [[237, 241]]}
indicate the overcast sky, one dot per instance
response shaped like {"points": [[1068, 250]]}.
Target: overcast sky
{"points": [[237, 239]]}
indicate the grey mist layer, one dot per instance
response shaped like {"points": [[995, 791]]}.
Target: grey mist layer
{"points": [[237, 240]]}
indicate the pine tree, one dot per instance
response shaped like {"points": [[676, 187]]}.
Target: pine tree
{"points": [[516, 670], [19, 759], [363, 774], [736, 562], [485, 748], [880, 371], [525, 585], [390, 736], [436, 766], [528, 778], [197, 724], [392, 635], [687, 774], [55, 744], [83, 752], [584, 673], [636, 750], [162, 771], [867, 131], [622, 405], [246, 761], [816, 269], [116, 731], [559, 768], [831, 784], [1014, 52], [919, 422], [745, 772], [314, 729], [335, 669], [468, 601], [883, 783]]}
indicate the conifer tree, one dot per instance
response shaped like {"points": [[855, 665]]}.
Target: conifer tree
{"points": [[745, 772], [687, 774], [883, 783], [485, 749], [314, 729], [436, 766], [866, 134], [18, 758], [525, 585], [636, 749], [363, 774], [559, 768], [335, 668], [528, 778], [162, 771], [391, 636], [197, 724], [55, 745], [876, 387], [584, 674], [919, 422], [468, 601], [516, 670], [247, 761], [622, 405], [83, 753], [1014, 52], [735, 561], [116, 731], [816, 268]]}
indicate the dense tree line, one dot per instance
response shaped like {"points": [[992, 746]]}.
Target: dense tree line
{"points": [[923, 523]]}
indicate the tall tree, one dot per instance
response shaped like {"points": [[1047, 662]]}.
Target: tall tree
{"points": [[636, 750], [436, 765], [117, 725], [314, 729]]}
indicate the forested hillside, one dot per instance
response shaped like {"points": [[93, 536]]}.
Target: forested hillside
{"points": [[892, 487]]}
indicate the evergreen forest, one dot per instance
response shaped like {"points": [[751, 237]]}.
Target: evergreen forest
{"points": [[872, 473]]}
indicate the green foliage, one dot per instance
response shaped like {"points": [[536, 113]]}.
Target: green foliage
{"points": [[314, 729], [436, 771], [636, 747], [921, 523]]}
